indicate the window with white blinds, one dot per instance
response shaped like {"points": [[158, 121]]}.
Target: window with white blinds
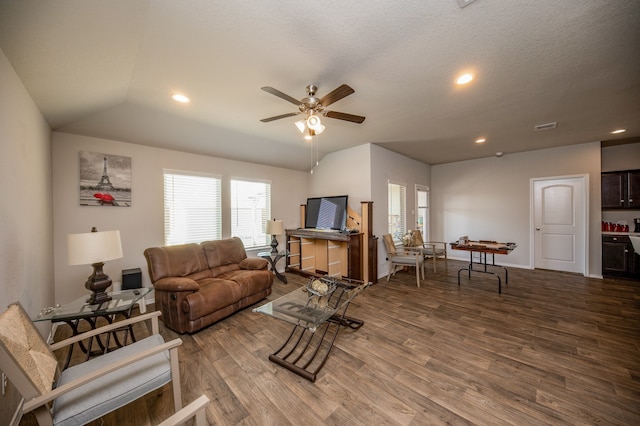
{"points": [[397, 210], [250, 209], [192, 208]]}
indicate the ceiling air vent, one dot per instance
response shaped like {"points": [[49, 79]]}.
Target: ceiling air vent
{"points": [[546, 126], [463, 3]]}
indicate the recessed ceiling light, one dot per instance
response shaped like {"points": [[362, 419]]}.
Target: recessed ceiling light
{"points": [[615, 132], [481, 140], [180, 98], [464, 78]]}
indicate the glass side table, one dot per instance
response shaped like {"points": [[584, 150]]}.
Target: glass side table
{"points": [[121, 303], [273, 259]]}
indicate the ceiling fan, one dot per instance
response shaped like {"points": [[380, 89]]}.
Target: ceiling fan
{"points": [[313, 107]]}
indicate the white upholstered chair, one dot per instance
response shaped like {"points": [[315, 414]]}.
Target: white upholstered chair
{"points": [[430, 249], [87, 391], [405, 257]]}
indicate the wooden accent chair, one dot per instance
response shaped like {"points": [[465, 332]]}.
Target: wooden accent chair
{"points": [[87, 391], [430, 249], [407, 256], [195, 409]]}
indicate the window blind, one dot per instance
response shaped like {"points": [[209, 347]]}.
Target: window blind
{"points": [[250, 209], [192, 208]]}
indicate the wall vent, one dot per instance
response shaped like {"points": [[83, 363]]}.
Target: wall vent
{"points": [[546, 126]]}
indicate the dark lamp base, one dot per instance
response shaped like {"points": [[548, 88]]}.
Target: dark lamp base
{"points": [[274, 244], [97, 283]]}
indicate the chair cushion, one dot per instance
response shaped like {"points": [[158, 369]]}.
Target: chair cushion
{"points": [[114, 390], [405, 260]]}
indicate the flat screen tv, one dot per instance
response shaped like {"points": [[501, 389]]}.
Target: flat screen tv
{"points": [[327, 213]]}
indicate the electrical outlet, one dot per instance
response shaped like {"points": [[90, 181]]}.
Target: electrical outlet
{"points": [[463, 3]]}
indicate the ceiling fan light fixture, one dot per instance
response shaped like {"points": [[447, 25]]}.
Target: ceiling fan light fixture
{"points": [[300, 125], [314, 122]]}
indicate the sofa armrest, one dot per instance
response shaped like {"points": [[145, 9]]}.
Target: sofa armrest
{"points": [[176, 284], [253, 263]]}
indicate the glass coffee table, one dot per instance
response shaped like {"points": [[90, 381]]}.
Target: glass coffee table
{"points": [[317, 312], [121, 303]]}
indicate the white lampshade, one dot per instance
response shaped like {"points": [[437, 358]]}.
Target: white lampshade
{"points": [[300, 125], [274, 227], [314, 122], [93, 247]]}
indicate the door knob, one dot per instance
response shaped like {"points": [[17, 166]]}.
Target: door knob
{"points": [[537, 229]]}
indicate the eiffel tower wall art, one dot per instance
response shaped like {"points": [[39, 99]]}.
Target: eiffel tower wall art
{"points": [[105, 180]]}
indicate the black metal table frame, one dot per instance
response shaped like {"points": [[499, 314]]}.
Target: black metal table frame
{"points": [[483, 261], [74, 323], [305, 351], [273, 259]]}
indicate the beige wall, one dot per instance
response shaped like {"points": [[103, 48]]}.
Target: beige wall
{"points": [[141, 225], [344, 172], [489, 198], [387, 165], [26, 228], [621, 157]]}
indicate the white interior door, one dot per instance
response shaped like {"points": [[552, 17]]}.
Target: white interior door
{"points": [[559, 221]]}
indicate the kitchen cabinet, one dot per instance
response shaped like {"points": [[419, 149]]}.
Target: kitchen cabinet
{"points": [[621, 190], [619, 258]]}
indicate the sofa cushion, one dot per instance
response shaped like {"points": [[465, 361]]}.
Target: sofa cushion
{"points": [[220, 253], [214, 294], [250, 281], [185, 260], [253, 263]]}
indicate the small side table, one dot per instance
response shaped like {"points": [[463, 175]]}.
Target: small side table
{"points": [[273, 259], [71, 313]]}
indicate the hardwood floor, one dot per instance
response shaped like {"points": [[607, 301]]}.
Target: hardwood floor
{"points": [[554, 348]]}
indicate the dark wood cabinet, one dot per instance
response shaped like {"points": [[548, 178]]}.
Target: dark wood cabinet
{"points": [[619, 258], [621, 190], [633, 189]]}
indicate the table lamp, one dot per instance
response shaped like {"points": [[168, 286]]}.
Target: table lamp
{"points": [[94, 248], [274, 227]]}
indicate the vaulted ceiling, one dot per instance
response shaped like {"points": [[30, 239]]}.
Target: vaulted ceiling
{"points": [[107, 69]]}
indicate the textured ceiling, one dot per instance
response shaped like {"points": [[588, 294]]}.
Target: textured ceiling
{"points": [[106, 69]]}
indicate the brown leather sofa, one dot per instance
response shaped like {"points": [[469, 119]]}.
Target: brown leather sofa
{"points": [[199, 284]]}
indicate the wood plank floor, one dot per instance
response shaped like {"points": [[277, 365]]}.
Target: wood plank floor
{"points": [[554, 348]]}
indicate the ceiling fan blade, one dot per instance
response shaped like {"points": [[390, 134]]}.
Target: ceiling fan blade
{"points": [[336, 95], [278, 117], [344, 116], [281, 95]]}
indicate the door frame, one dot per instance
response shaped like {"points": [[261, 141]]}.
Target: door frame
{"points": [[427, 225], [585, 209]]}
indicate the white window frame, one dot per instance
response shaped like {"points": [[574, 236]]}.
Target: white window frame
{"points": [[248, 222], [192, 207]]}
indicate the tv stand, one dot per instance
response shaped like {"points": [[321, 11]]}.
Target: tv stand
{"points": [[338, 254], [313, 252]]}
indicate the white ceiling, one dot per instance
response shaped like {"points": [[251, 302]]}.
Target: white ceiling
{"points": [[106, 69]]}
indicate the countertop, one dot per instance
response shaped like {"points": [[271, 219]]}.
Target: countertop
{"points": [[637, 234]]}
